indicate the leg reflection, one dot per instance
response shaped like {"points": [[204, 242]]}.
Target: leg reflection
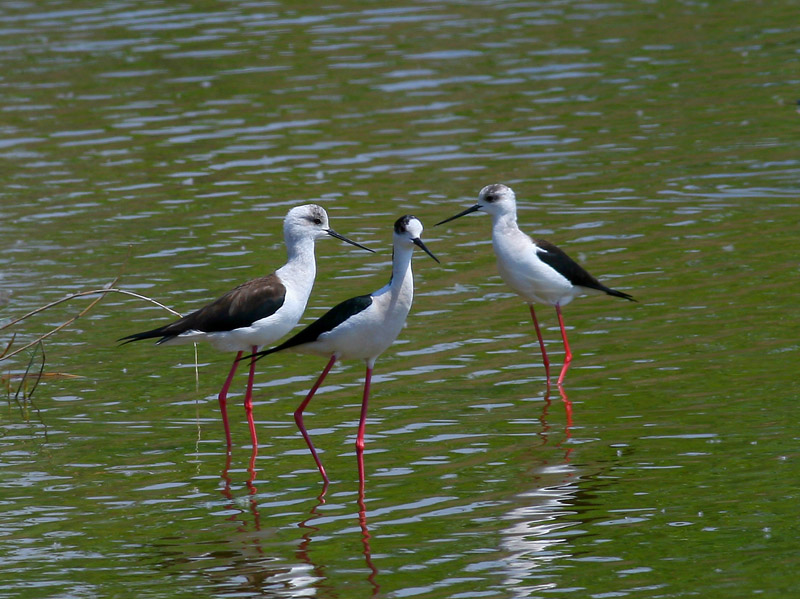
{"points": [[365, 538], [567, 427], [228, 493], [303, 552]]}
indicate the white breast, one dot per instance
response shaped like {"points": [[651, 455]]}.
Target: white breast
{"points": [[525, 273]]}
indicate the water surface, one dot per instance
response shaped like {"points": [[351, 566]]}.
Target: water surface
{"points": [[164, 143]]}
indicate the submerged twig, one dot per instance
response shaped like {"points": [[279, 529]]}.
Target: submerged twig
{"points": [[6, 353], [27, 395], [24, 378], [41, 372], [8, 347]]}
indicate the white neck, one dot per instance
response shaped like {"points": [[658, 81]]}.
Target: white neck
{"points": [[301, 267], [504, 222], [401, 269], [401, 285]]}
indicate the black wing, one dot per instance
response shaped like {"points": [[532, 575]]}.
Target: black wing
{"points": [[327, 322], [557, 259], [240, 307]]}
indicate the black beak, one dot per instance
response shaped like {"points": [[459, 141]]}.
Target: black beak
{"points": [[418, 242], [460, 214], [333, 233]]}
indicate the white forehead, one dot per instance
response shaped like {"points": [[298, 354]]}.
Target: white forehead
{"points": [[414, 227], [408, 225]]}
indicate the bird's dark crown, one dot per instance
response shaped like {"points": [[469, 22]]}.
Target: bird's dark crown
{"points": [[401, 224]]}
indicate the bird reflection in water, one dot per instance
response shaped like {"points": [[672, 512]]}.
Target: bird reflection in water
{"points": [[545, 432], [226, 490], [313, 574], [531, 540], [303, 549], [365, 539]]}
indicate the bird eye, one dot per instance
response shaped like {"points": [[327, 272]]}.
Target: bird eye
{"points": [[317, 221], [491, 198]]}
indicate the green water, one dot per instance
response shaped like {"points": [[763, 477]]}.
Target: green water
{"points": [[655, 142]]}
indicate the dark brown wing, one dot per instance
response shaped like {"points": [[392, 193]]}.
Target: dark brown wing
{"points": [[240, 307]]}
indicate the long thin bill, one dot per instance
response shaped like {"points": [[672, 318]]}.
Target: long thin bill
{"points": [[333, 233], [418, 242], [460, 214]]}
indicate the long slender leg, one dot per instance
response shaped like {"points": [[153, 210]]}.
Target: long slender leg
{"points": [[541, 344], [298, 417], [568, 352], [362, 424], [248, 401], [223, 398]]}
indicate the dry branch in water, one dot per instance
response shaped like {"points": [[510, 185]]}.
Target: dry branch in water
{"points": [[7, 353], [102, 292], [27, 375]]}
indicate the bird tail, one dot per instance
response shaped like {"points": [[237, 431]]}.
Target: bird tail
{"points": [[151, 334], [621, 294]]}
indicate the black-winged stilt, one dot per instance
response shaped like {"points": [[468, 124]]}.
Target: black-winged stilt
{"points": [[535, 269], [361, 327], [258, 312]]}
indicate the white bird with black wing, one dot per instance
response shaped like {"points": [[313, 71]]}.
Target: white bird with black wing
{"points": [[535, 269]]}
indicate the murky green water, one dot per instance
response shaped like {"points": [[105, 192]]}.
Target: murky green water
{"points": [[656, 142]]}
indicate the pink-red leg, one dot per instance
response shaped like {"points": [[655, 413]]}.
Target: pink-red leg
{"points": [[298, 418], [248, 400], [223, 399], [362, 424], [568, 352], [541, 344]]}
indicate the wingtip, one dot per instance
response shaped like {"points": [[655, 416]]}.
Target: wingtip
{"points": [[254, 356], [622, 294], [144, 335]]}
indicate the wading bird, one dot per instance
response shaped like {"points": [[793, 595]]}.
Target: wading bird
{"points": [[535, 269]]}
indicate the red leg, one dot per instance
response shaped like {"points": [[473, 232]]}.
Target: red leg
{"points": [[248, 400], [568, 356], [298, 417], [362, 424], [541, 345], [223, 398]]}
